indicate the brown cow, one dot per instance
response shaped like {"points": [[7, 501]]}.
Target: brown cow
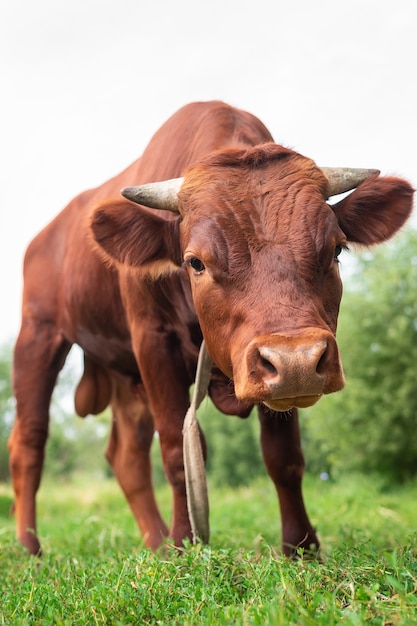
{"points": [[247, 252]]}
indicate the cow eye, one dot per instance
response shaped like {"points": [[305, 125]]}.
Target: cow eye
{"points": [[338, 250], [197, 265]]}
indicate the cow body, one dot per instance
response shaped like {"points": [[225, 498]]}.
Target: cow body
{"points": [[249, 262]]}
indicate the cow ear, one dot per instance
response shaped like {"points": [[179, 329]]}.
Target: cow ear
{"points": [[130, 235], [375, 210]]}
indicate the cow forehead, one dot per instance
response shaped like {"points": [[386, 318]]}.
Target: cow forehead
{"points": [[240, 170], [272, 200]]}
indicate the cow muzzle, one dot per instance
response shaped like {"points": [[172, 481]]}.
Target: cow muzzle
{"points": [[289, 371]]}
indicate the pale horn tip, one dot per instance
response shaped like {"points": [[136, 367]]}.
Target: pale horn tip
{"points": [[128, 193]]}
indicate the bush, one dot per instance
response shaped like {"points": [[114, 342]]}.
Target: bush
{"points": [[6, 408]]}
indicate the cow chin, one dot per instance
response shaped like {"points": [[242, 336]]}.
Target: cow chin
{"points": [[282, 405]]}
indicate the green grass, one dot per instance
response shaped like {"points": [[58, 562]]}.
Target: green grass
{"points": [[95, 571]]}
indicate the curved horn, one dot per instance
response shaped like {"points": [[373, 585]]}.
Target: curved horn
{"points": [[341, 179], [162, 195]]}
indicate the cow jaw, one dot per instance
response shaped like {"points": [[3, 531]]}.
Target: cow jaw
{"points": [[290, 371]]}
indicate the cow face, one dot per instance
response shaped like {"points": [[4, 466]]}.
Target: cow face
{"points": [[261, 247]]}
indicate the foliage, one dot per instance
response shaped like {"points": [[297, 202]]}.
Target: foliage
{"points": [[371, 424], [6, 408], [94, 572]]}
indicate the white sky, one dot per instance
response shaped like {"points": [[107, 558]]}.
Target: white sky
{"points": [[85, 83]]}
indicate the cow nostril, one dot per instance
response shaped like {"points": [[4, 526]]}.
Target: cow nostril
{"points": [[268, 366], [322, 363]]}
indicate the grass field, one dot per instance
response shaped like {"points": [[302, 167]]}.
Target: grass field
{"points": [[95, 571]]}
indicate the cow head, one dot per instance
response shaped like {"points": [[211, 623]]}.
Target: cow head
{"points": [[261, 246]]}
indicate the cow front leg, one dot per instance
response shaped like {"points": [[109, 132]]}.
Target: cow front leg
{"points": [[283, 457], [128, 453], [167, 382], [38, 357]]}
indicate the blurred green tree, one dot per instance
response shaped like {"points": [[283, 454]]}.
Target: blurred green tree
{"points": [[6, 408], [370, 425]]}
